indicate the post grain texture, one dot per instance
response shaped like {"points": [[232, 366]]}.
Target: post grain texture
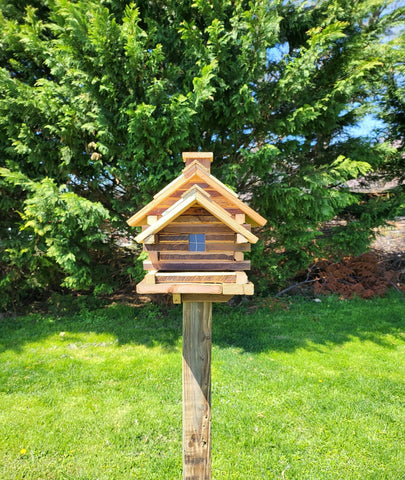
{"points": [[197, 319]]}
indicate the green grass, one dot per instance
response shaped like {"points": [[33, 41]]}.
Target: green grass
{"points": [[300, 391]]}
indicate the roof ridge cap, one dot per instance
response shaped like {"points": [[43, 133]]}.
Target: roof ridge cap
{"points": [[196, 164]]}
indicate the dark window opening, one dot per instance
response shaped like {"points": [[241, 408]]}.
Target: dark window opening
{"points": [[197, 242]]}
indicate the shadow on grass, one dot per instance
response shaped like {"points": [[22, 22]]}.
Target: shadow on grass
{"points": [[148, 325], [254, 327], [303, 323]]}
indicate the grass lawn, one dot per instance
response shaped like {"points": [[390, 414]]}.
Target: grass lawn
{"points": [[300, 390]]}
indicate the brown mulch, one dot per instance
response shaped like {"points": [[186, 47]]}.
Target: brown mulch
{"points": [[366, 276]]}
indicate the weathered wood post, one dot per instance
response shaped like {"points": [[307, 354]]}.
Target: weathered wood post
{"points": [[197, 390], [195, 231]]}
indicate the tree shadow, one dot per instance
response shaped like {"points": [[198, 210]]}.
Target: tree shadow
{"points": [[254, 327], [304, 323], [148, 325]]}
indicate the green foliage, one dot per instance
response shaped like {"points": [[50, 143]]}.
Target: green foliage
{"points": [[104, 96], [57, 229]]}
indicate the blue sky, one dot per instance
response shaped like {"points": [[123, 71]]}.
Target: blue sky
{"points": [[365, 126]]}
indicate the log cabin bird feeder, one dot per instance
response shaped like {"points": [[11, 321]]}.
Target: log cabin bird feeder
{"points": [[196, 231]]}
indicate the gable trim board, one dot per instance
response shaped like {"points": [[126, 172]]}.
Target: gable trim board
{"points": [[195, 197]]}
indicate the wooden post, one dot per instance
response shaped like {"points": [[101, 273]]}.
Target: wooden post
{"points": [[197, 390]]}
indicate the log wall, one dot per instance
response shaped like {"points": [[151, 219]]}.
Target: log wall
{"points": [[170, 250]]}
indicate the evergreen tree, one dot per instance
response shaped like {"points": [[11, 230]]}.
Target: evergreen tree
{"points": [[99, 99]]}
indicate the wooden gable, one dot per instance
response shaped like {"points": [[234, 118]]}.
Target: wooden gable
{"points": [[192, 198], [194, 174]]}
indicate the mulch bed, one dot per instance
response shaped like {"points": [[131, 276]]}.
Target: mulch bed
{"points": [[366, 276]]}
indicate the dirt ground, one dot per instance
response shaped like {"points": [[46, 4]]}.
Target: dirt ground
{"points": [[391, 239]]}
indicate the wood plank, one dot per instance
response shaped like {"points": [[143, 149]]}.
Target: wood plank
{"points": [[150, 278], [196, 226], [201, 277], [187, 199], [232, 289], [150, 240], [151, 219], [161, 210], [177, 228], [204, 186], [200, 162], [192, 198], [176, 298], [238, 256], [153, 258], [198, 175], [240, 218], [169, 189], [140, 218], [209, 247], [210, 288], [196, 211], [254, 217], [199, 189], [194, 155], [193, 219], [236, 289], [171, 257], [209, 237], [197, 334], [241, 277], [249, 289], [168, 202], [217, 197], [225, 247], [167, 247], [240, 239], [219, 238], [195, 265], [173, 237], [199, 183], [217, 183], [215, 194], [193, 170], [196, 297]]}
